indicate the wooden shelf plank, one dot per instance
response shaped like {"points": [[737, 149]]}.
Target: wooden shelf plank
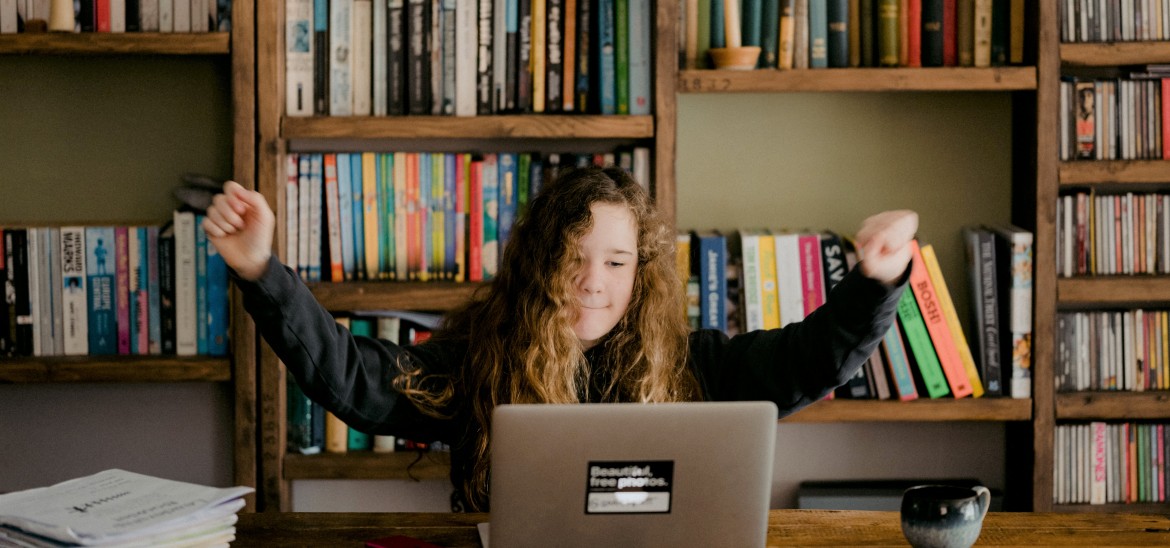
{"points": [[858, 79], [115, 369], [368, 465], [922, 410], [1112, 290], [1107, 405], [431, 296], [539, 126], [1112, 54], [1135, 508], [1114, 171], [104, 43]]}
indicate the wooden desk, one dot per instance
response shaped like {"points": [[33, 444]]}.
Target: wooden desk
{"points": [[786, 528]]}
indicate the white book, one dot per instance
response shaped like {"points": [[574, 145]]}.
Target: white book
{"points": [[117, 15], [74, 302], [753, 303], [54, 238], [166, 15], [379, 59], [361, 34], [447, 14], [639, 60], [148, 15], [199, 15], [181, 11], [291, 210], [1097, 493], [788, 280], [340, 58], [466, 48], [642, 166], [8, 17], [300, 260], [186, 334], [34, 287], [298, 57]]}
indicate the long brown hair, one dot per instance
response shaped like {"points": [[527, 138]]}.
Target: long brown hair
{"points": [[519, 332]]}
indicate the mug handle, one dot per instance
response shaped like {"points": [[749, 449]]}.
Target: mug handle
{"points": [[984, 495]]}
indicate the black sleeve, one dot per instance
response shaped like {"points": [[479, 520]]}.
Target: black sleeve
{"points": [[802, 362], [348, 375]]}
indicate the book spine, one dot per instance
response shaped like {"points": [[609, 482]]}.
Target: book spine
{"points": [[639, 64], [499, 54], [770, 34], [466, 44], [74, 277], [475, 223], [818, 33], [56, 287], [396, 58], [554, 55], [291, 209], [402, 216], [316, 193], [944, 345], [770, 296], [186, 343], [449, 45], [930, 261], [538, 54], [389, 218], [166, 289], [524, 56], [300, 260], [18, 271], [201, 334], [362, 48], [712, 256], [483, 85], [122, 290], [34, 258], [569, 39], [887, 32], [811, 276], [606, 76], [101, 304], [932, 33], [336, 434], [981, 50], [965, 32], [340, 59], [491, 216], [921, 348], [837, 37], [380, 49], [752, 291], [347, 172], [508, 195], [217, 303], [141, 298], [511, 53], [181, 15], [949, 22], [985, 307], [896, 358], [621, 53], [333, 219], [299, 415], [369, 231], [787, 35], [789, 281]]}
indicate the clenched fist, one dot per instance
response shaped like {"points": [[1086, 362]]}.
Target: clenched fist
{"points": [[883, 243], [240, 225]]}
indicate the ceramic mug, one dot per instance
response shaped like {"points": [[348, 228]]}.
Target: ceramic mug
{"points": [[944, 516]]}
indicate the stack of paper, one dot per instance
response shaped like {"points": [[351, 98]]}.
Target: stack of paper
{"points": [[119, 508]]}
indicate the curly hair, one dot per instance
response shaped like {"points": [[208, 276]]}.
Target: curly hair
{"points": [[519, 331]]}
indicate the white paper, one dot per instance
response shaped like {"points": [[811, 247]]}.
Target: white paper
{"points": [[118, 506]]}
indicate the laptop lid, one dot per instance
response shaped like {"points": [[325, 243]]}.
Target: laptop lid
{"points": [[631, 474]]}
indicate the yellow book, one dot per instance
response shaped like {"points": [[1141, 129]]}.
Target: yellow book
{"points": [[462, 198], [537, 59], [682, 263], [948, 309], [438, 218], [370, 213], [769, 291]]}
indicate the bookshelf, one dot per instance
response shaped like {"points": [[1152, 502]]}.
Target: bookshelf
{"points": [[280, 135], [1059, 294], [235, 51]]}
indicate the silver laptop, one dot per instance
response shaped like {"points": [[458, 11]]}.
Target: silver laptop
{"points": [[678, 474]]}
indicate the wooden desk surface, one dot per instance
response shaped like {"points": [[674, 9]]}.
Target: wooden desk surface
{"points": [[786, 528]]}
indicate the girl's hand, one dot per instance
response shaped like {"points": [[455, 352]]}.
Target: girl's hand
{"points": [[883, 243], [240, 225]]}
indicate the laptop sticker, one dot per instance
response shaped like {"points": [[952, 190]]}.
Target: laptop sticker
{"points": [[629, 487]]}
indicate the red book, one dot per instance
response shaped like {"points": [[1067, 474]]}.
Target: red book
{"points": [[936, 325], [950, 40], [475, 223], [812, 276], [101, 10], [914, 33], [333, 219], [122, 287]]}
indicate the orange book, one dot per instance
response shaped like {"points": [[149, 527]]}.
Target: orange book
{"points": [[936, 325], [333, 219], [952, 318]]}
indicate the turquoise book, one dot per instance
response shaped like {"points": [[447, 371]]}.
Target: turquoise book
{"points": [[101, 311], [509, 172], [818, 34]]}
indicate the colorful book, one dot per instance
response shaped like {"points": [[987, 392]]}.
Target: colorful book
{"points": [[926, 294], [1014, 277], [710, 260], [930, 261], [74, 301], [101, 261], [918, 339]]}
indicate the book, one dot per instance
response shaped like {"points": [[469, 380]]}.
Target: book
{"points": [[101, 257], [710, 258], [1014, 254], [918, 340], [74, 308], [186, 343], [298, 57], [930, 261], [361, 51], [984, 307], [320, 57], [340, 58], [926, 294]]}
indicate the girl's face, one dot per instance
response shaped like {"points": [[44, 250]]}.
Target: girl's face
{"points": [[605, 283]]}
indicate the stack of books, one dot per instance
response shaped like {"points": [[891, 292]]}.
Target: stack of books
{"points": [[119, 508]]}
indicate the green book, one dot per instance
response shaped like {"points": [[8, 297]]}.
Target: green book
{"points": [[920, 345], [386, 218], [887, 32], [621, 54]]}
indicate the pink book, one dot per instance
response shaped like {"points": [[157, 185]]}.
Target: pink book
{"points": [[811, 274], [122, 287]]}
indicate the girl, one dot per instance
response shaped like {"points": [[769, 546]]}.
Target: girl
{"points": [[586, 308]]}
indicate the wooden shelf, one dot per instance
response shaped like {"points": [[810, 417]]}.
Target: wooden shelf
{"points": [[104, 43], [858, 79], [429, 296], [115, 369], [368, 465], [922, 410], [534, 126], [1112, 54], [1110, 405], [1114, 171], [1135, 508], [1112, 291]]}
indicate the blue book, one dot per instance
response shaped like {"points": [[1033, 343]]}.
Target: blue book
{"points": [[345, 212], [316, 208], [452, 234], [153, 288], [217, 303], [606, 83], [536, 179], [718, 33], [141, 301], [359, 218], [491, 216], [712, 261], [818, 34], [509, 187], [200, 287], [640, 60], [102, 306]]}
